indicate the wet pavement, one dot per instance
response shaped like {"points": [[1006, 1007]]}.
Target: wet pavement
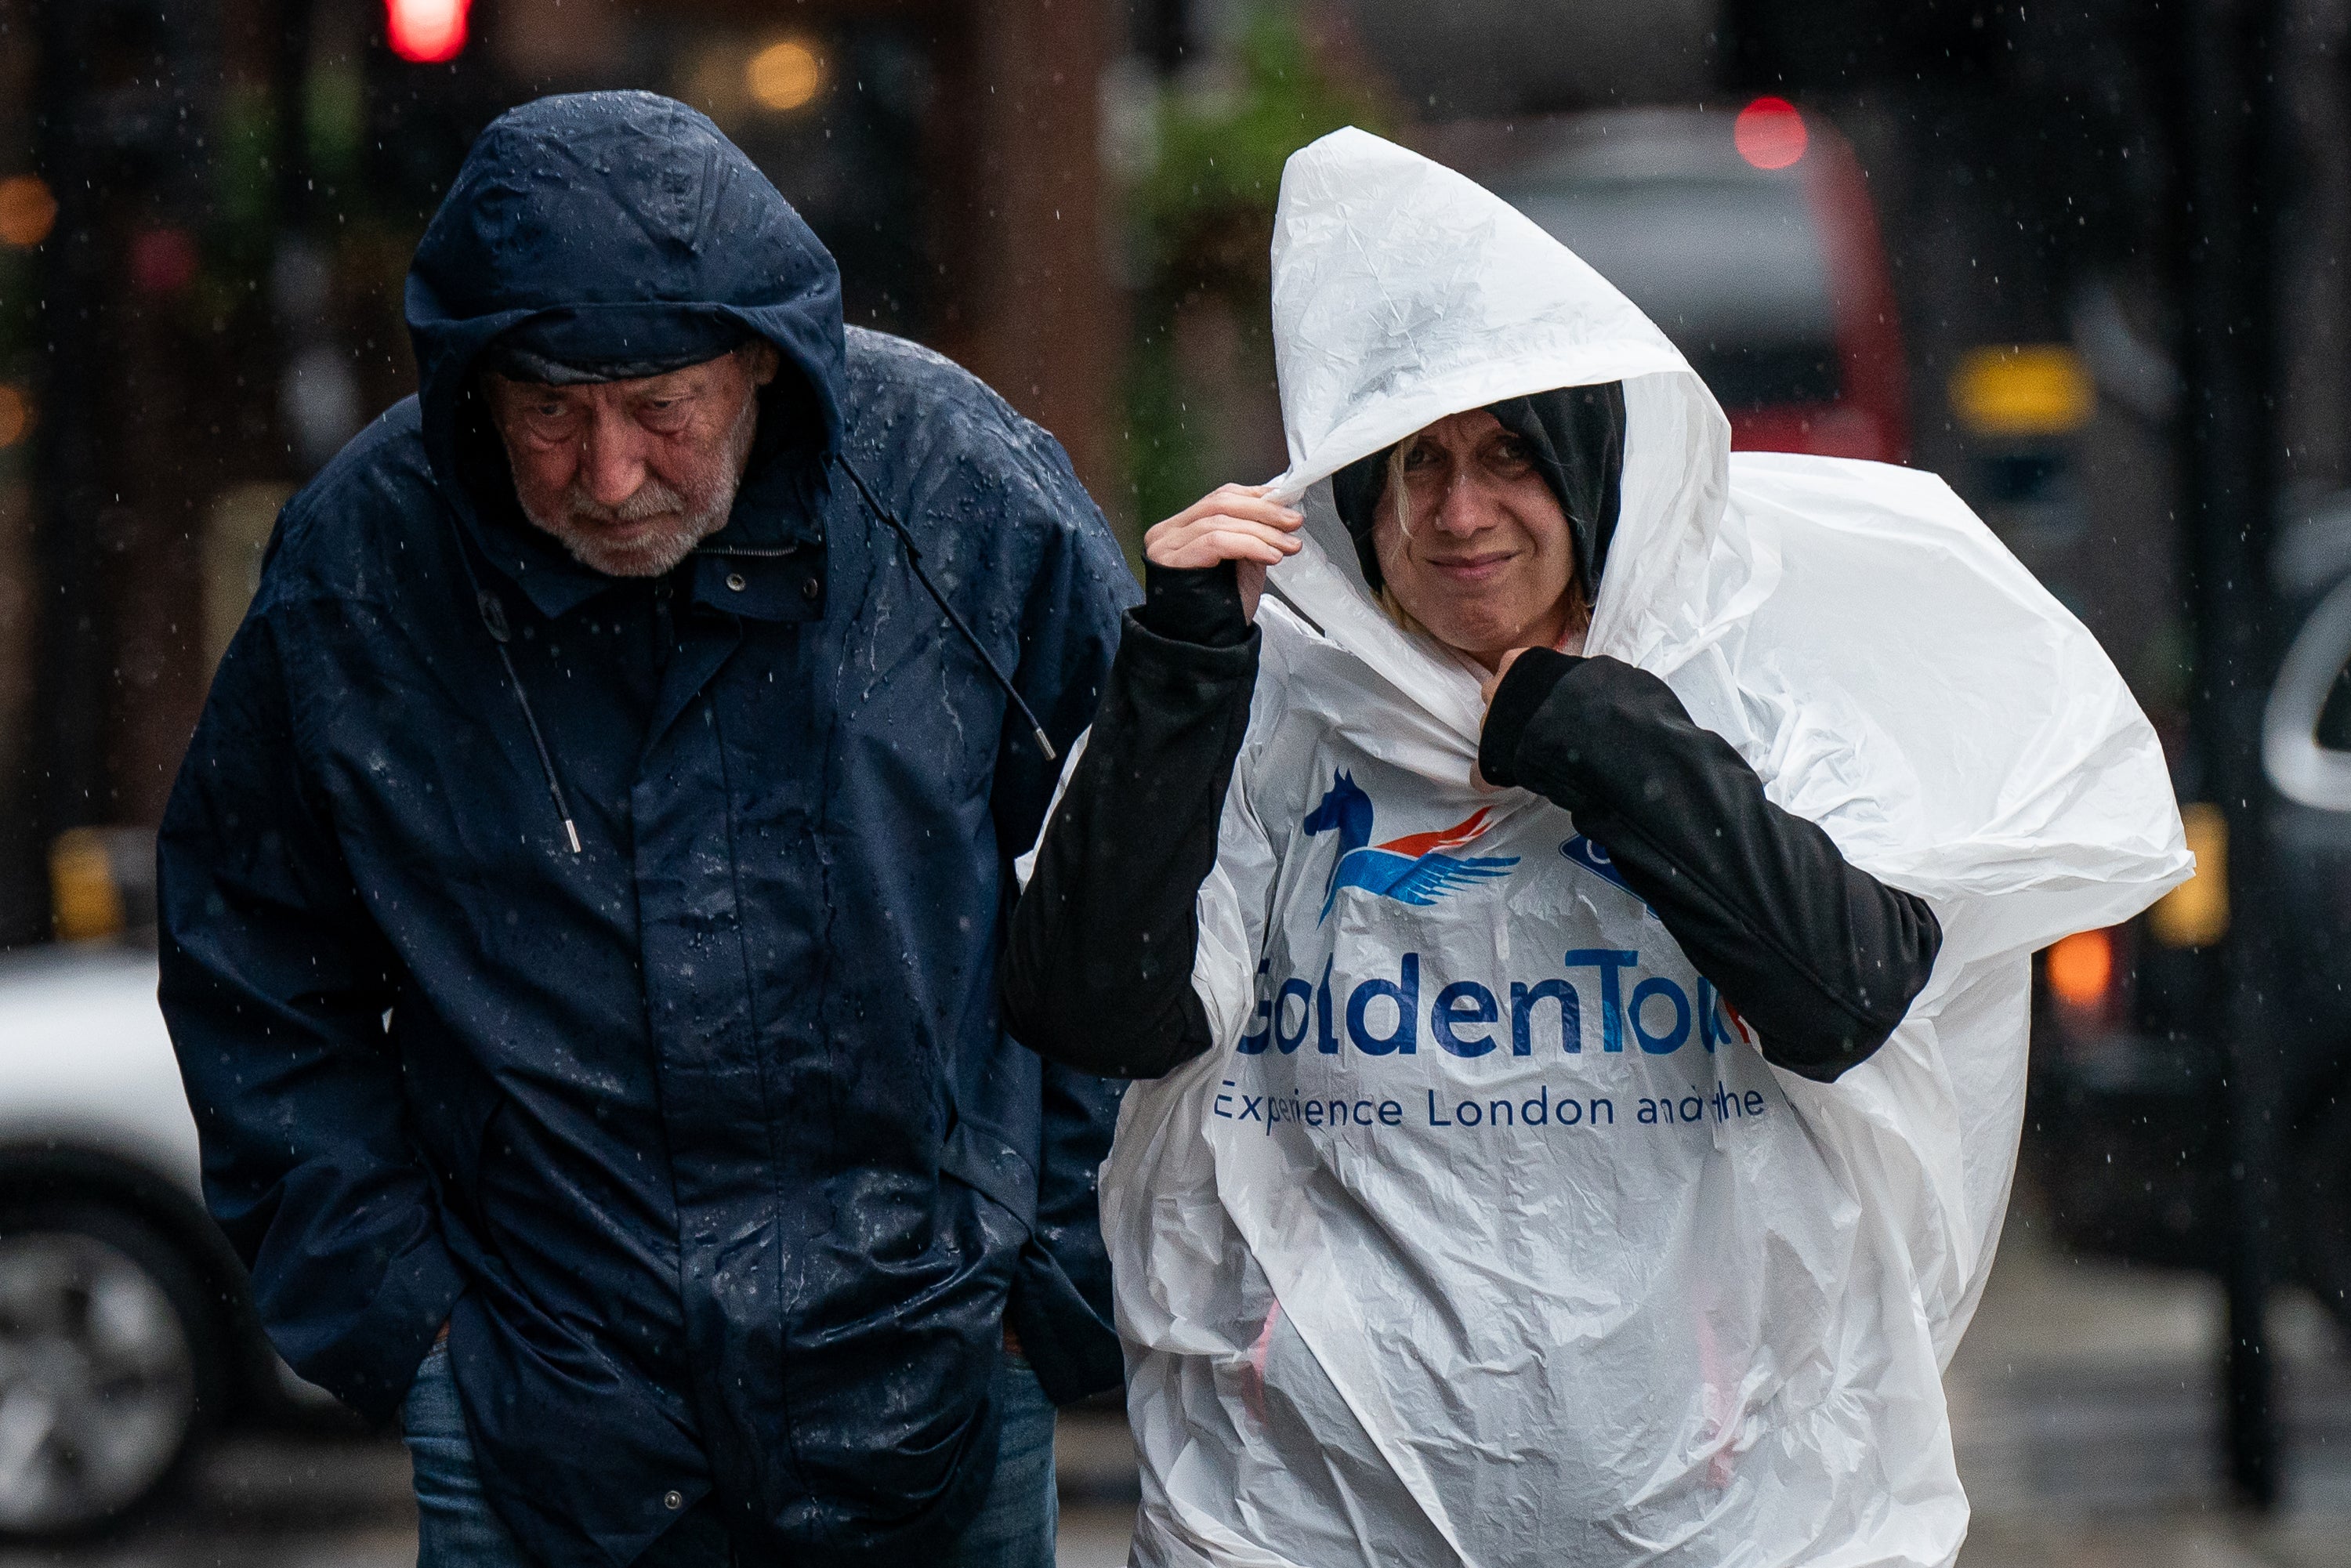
{"points": [[274, 1502], [2087, 1419], [2082, 1402]]}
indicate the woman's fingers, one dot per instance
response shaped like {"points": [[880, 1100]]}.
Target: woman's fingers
{"points": [[1219, 536], [1230, 512], [1188, 526], [1220, 539], [1245, 501]]}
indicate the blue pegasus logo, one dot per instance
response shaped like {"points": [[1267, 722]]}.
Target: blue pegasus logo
{"points": [[1411, 870], [1594, 859]]}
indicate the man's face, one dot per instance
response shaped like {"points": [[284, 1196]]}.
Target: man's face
{"points": [[1487, 559], [630, 475]]}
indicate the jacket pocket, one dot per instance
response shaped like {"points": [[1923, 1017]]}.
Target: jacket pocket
{"points": [[891, 1423]]}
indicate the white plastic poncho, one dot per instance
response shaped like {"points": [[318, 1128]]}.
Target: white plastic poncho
{"points": [[1485, 1235]]}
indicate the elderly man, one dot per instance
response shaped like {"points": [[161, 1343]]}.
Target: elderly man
{"points": [[582, 898]]}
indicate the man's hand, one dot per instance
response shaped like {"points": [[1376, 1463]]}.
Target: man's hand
{"points": [[1232, 522]]}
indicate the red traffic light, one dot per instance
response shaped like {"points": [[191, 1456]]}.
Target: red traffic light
{"points": [[1770, 133], [426, 32]]}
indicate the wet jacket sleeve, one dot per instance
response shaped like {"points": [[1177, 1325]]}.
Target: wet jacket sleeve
{"points": [[274, 984], [1060, 1301], [1098, 974], [1820, 957]]}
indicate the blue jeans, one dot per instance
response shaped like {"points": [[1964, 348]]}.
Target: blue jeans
{"points": [[457, 1528]]}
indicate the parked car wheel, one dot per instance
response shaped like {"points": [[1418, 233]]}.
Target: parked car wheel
{"points": [[106, 1356]]}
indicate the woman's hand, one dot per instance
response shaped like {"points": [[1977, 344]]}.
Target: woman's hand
{"points": [[1502, 668], [1232, 522], [1512, 723]]}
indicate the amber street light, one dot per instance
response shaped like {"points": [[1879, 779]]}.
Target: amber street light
{"points": [[26, 211], [785, 76]]}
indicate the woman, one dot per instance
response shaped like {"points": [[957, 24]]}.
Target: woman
{"points": [[1561, 1151]]}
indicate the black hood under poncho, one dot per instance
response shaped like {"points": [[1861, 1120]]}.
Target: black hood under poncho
{"points": [[1577, 437]]}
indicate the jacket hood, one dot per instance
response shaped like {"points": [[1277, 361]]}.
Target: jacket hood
{"points": [[618, 226], [1404, 292]]}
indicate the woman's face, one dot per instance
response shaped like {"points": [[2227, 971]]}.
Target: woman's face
{"points": [[1488, 560]]}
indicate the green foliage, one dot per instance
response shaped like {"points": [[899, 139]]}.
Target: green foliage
{"points": [[242, 167], [1166, 467], [243, 193], [337, 122], [1201, 226], [1205, 213]]}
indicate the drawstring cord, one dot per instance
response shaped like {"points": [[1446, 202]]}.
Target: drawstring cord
{"points": [[494, 616], [915, 560], [494, 621]]}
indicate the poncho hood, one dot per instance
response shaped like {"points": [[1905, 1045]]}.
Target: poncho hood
{"points": [[1404, 292]]}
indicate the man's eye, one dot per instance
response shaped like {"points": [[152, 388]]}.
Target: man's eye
{"points": [[1513, 450], [1419, 457], [548, 411]]}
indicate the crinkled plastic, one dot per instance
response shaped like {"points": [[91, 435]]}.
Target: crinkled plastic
{"points": [[1485, 1235]]}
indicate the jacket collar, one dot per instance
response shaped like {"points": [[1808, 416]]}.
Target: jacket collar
{"points": [[767, 564]]}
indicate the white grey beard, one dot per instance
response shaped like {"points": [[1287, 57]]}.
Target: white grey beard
{"points": [[650, 556]]}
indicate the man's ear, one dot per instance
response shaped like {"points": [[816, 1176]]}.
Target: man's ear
{"points": [[762, 361]]}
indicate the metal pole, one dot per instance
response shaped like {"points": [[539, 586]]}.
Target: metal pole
{"points": [[2229, 178]]}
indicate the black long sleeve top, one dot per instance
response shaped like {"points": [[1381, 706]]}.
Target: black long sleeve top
{"points": [[1820, 957]]}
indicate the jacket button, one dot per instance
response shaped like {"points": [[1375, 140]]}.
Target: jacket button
{"points": [[673, 1500], [735, 581], [807, 588]]}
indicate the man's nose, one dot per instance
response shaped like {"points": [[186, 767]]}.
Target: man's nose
{"points": [[612, 458]]}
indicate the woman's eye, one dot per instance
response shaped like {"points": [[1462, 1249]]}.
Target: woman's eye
{"points": [[1419, 457]]}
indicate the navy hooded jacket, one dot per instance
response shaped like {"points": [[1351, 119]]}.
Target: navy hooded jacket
{"points": [[705, 1138]]}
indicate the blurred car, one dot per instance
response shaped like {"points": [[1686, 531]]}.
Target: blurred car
{"points": [[2124, 1124], [125, 1324], [1748, 237]]}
